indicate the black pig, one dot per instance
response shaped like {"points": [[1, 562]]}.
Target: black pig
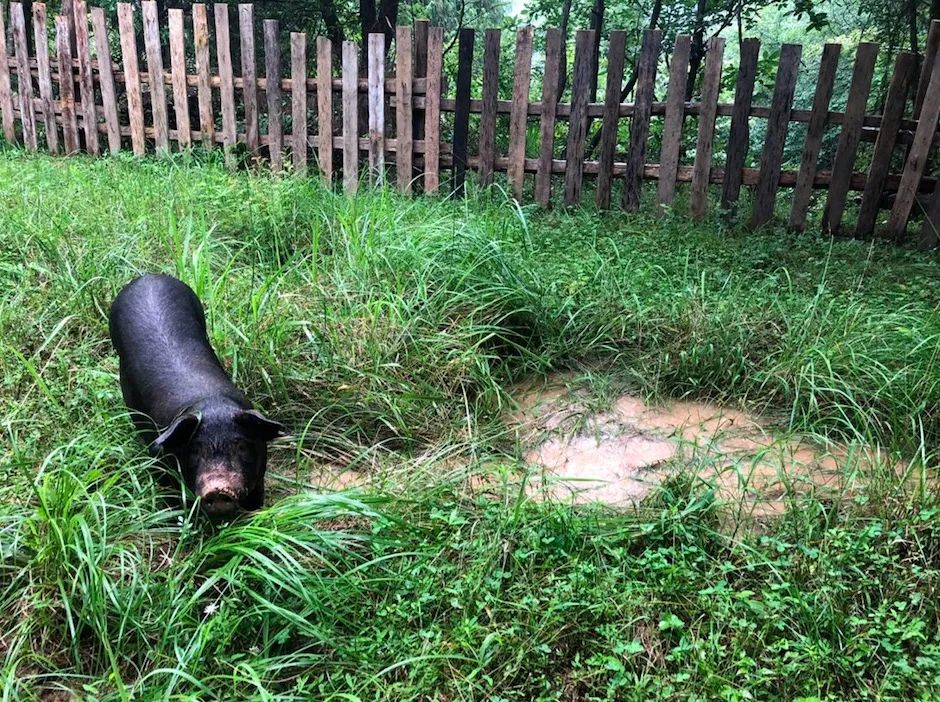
{"points": [[183, 402]]}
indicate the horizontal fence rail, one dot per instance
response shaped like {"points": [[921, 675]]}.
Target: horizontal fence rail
{"points": [[99, 83]]}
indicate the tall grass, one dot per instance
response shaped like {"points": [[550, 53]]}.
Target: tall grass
{"points": [[390, 332]]}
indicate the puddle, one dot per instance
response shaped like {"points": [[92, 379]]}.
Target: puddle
{"points": [[580, 449], [619, 454]]}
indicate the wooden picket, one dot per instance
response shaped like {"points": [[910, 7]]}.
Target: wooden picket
{"points": [[74, 93]]}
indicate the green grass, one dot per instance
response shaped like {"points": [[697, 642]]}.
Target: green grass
{"points": [[388, 334]]}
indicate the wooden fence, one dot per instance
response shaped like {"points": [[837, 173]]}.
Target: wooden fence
{"points": [[72, 95]]}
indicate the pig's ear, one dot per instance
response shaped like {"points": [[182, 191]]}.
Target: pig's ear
{"points": [[260, 426], [180, 431]]}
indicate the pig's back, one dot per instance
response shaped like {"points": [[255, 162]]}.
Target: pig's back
{"points": [[158, 327]]}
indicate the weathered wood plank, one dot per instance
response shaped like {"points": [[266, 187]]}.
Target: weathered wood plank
{"points": [[86, 77], [24, 81], [298, 78], [672, 125], [706, 127], [350, 117], [178, 72], [44, 73], [609, 129], [106, 79], [549, 108], [577, 122], [462, 109], [895, 102], [135, 101], [432, 116], [246, 38], [66, 85], [491, 45], [643, 107], [815, 130], [849, 138], [67, 10], [518, 118], [204, 85], [930, 57], [404, 120], [325, 107], [376, 107], [421, 71], [272, 71], [6, 91], [223, 54], [739, 137], [776, 136]]}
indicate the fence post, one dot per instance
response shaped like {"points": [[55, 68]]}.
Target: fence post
{"points": [[917, 157], [135, 101], [550, 97], [298, 77], [895, 103], [609, 128], [44, 73], [86, 77], [350, 117], [272, 74], [6, 91], [223, 51], [404, 101], [819, 116], [462, 109], [519, 114], [577, 122], [701, 170], [66, 86], [178, 73], [421, 71], [377, 107], [24, 80], [432, 115], [203, 85], [849, 137], [775, 139], [106, 78], [491, 46], [325, 107], [672, 127], [642, 109], [154, 74], [739, 138], [246, 38]]}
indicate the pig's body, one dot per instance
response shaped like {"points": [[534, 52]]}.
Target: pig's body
{"points": [[183, 402], [159, 331]]}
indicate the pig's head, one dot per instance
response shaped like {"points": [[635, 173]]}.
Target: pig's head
{"points": [[222, 455]]}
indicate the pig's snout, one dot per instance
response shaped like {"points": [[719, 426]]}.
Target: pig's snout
{"points": [[220, 493]]}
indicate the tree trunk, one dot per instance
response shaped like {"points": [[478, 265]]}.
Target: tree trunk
{"points": [[563, 63], [697, 53], [381, 19], [367, 18], [334, 29], [597, 24]]}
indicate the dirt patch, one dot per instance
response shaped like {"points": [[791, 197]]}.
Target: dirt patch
{"points": [[618, 454]]}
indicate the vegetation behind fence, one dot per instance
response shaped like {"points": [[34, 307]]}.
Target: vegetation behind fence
{"points": [[358, 113]]}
